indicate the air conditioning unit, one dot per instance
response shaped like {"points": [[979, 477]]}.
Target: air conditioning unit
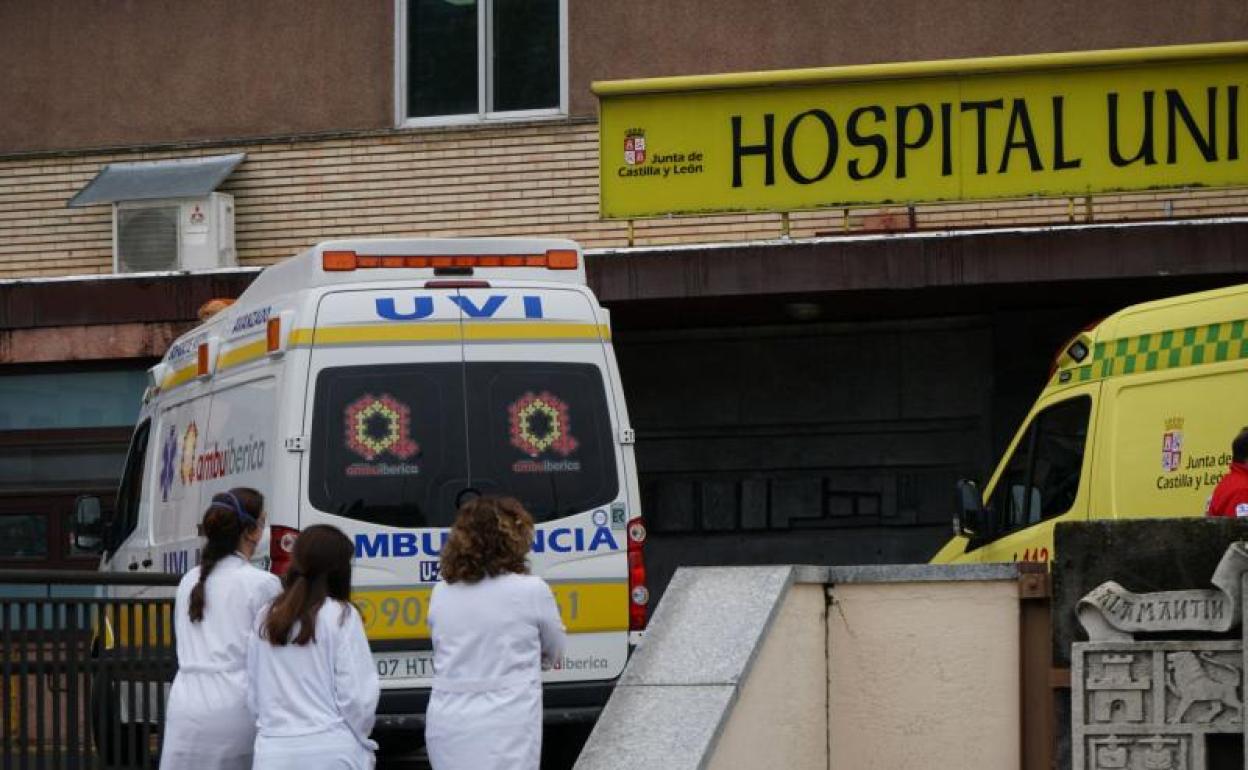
{"points": [[174, 234]]}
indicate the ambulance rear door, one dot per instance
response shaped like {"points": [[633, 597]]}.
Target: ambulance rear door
{"points": [[387, 457], [543, 427]]}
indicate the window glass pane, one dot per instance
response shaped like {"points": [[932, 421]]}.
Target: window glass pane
{"points": [[388, 443], [1059, 455], [131, 491], [52, 465], [1042, 478], [23, 536], [1009, 500], [70, 400], [541, 433], [441, 58], [525, 73]]}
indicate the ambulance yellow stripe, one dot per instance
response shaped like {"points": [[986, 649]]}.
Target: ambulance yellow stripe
{"points": [[355, 335], [447, 332], [401, 613], [389, 334], [243, 354], [180, 377], [504, 331], [1158, 351]]}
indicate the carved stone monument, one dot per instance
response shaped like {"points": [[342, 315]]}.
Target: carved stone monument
{"points": [[1152, 705]]}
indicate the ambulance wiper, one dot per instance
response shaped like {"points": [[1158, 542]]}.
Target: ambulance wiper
{"points": [[352, 509]]}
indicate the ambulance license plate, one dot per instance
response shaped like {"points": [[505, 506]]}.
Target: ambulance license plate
{"points": [[404, 665]]}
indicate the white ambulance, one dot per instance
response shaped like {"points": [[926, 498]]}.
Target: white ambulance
{"points": [[373, 385]]}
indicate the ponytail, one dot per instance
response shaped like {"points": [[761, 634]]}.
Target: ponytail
{"points": [[321, 570], [298, 603], [230, 515]]}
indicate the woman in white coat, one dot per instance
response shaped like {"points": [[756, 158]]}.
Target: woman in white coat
{"points": [[314, 683], [207, 724], [494, 628]]}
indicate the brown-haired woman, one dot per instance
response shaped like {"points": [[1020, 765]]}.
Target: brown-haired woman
{"points": [[207, 724], [494, 627], [314, 684]]}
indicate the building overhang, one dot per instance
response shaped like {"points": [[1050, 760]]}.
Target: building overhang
{"points": [[875, 276]]}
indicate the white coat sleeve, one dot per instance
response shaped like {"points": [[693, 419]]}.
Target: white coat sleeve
{"points": [[267, 589], [253, 657], [261, 596], [356, 685], [549, 623]]}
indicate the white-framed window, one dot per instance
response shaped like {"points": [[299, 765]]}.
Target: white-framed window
{"points": [[465, 61]]}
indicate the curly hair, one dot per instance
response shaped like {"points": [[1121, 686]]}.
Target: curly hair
{"points": [[491, 537]]}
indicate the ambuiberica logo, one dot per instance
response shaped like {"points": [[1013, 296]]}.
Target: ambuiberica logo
{"points": [[640, 160], [181, 459], [377, 425], [541, 423]]}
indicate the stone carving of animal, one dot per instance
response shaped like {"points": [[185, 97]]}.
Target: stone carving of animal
{"points": [[1190, 681]]}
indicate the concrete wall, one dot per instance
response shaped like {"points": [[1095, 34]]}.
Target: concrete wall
{"points": [[843, 668], [924, 675]]}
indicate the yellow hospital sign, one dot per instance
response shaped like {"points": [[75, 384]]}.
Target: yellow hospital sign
{"points": [[1050, 124]]}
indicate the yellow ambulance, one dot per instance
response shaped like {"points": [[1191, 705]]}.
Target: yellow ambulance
{"points": [[1136, 421]]}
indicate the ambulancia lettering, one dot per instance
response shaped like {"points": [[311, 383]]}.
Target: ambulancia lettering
{"points": [[421, 306], [385, 545]]}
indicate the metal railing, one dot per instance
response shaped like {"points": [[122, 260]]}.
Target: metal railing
{"points": [[85, 663]]}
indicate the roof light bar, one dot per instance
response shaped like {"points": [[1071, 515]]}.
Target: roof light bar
{"points": [[345, 261]]}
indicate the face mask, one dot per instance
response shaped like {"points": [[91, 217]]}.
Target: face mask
{"points": [[260, 557]]}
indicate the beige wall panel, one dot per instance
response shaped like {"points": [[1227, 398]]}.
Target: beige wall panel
{"points": [[93, 73], [649, 38], [924, 675], [779, 719]]}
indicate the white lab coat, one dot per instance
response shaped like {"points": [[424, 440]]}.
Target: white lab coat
{"points": [[315, 703], [490, 640], [207, 724]]}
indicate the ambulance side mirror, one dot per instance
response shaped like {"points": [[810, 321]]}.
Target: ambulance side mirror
{"points": [[88, 524], [968, 521]]}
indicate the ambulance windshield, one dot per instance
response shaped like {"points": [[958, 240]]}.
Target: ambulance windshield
{"points": [[397, 444]]}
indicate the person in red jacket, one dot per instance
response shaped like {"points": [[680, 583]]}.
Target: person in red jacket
{"points": [[1230, 496]]}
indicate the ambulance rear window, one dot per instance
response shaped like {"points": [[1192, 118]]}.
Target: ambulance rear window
{"points": [[388, 443], [397, 444], [541, 432]]}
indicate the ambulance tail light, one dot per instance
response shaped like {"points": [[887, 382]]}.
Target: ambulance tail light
{"points": [[281, 548], [346, 261], [206, 357], [638, 593], [277, 332], [273, 335]]}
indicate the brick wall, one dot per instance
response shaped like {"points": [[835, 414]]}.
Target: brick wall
{"points": [[534, 179]]}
